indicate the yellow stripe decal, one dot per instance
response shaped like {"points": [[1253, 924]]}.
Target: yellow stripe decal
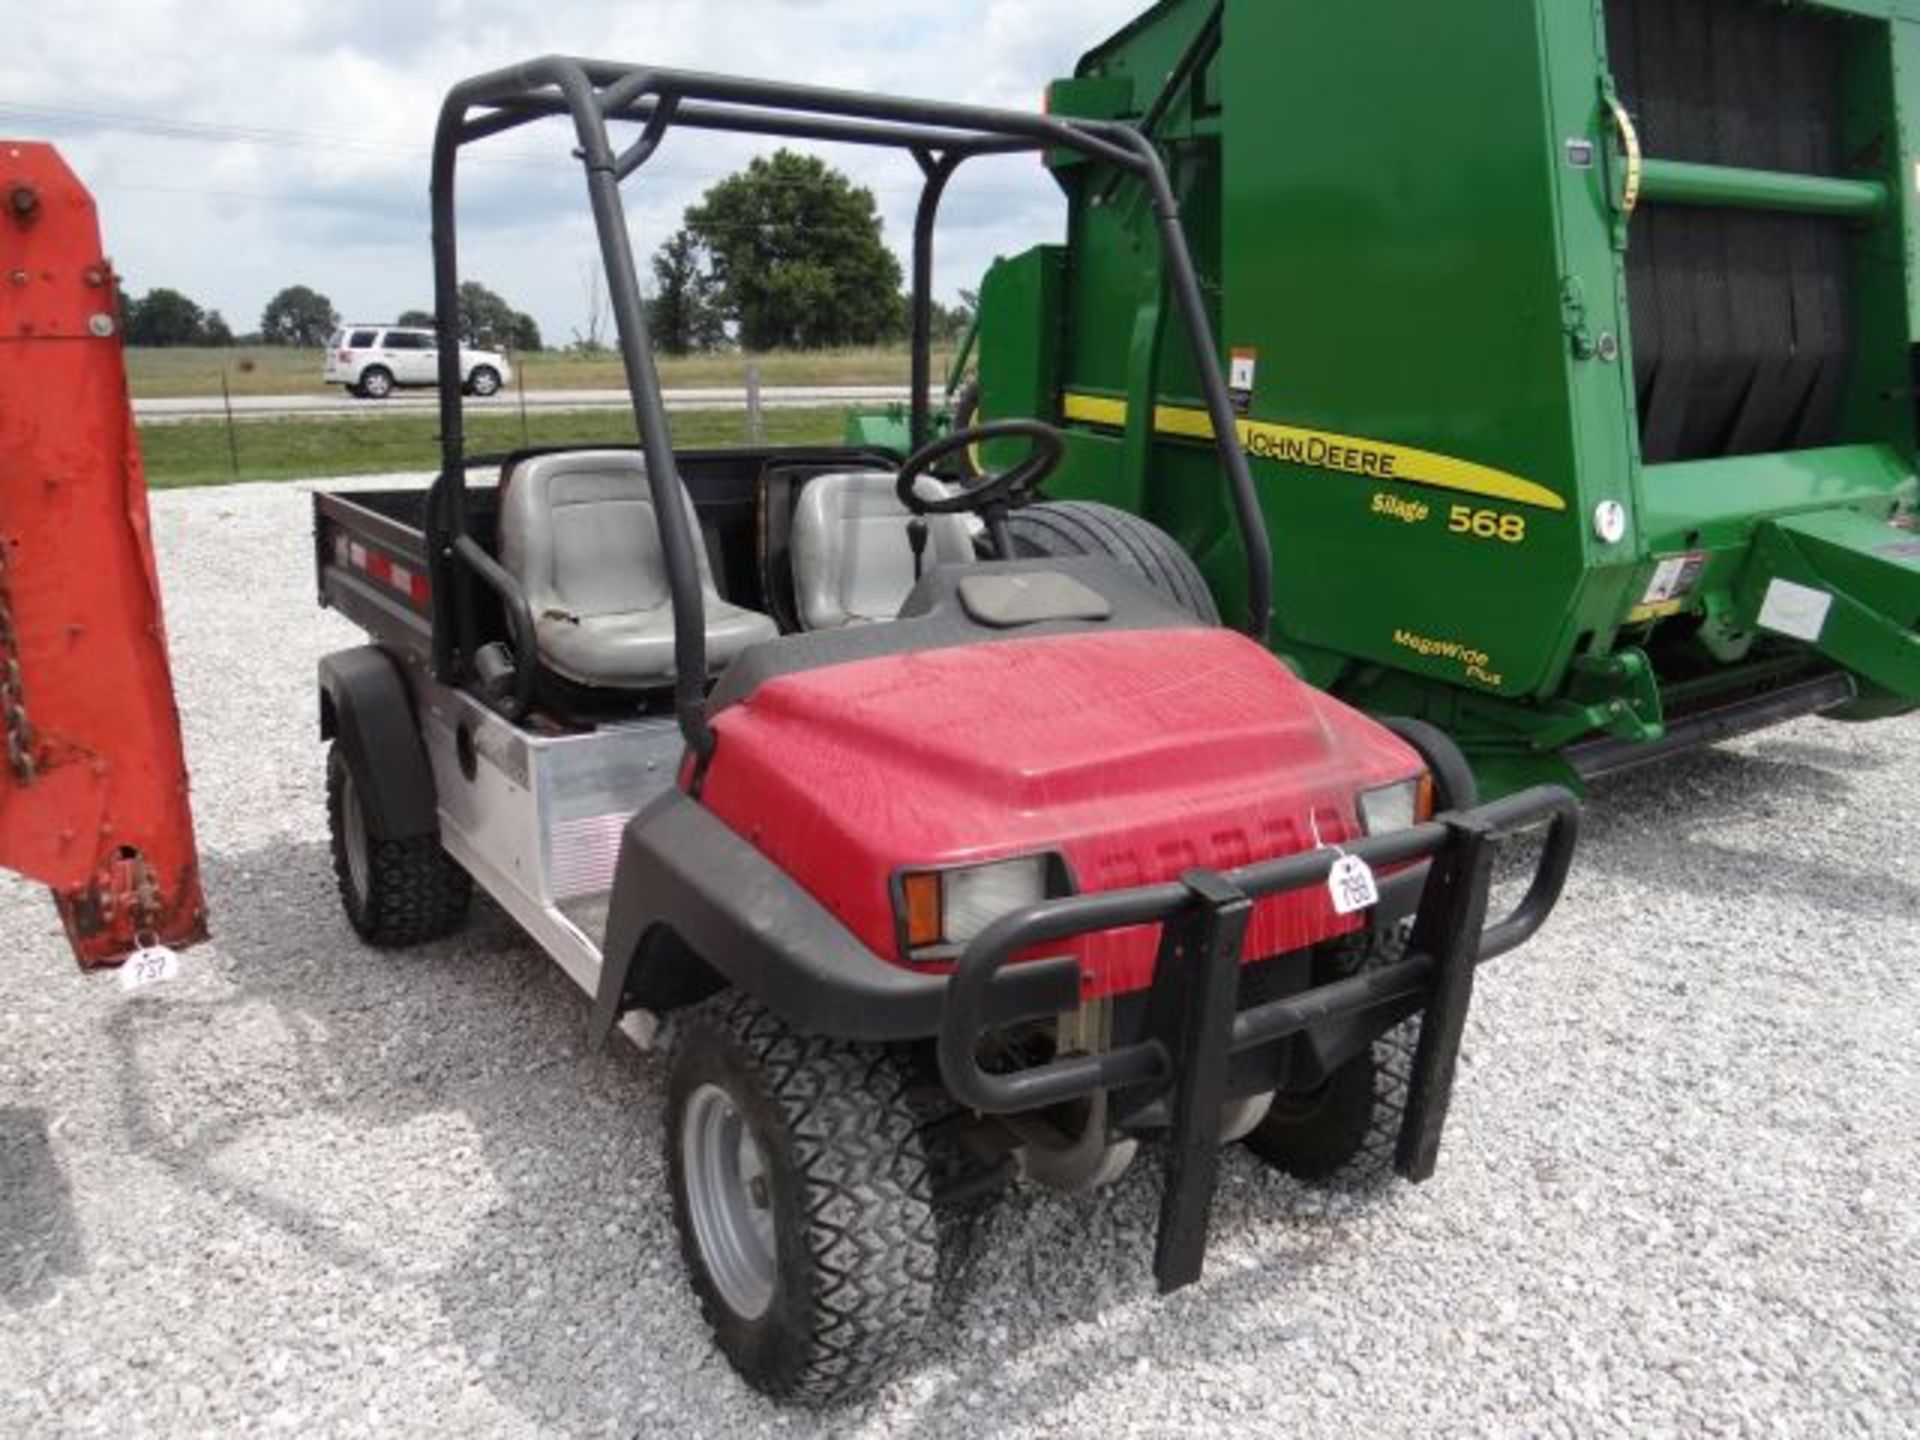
{"points": [[1325, 450]]}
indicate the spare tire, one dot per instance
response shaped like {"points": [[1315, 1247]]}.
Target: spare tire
{"points": [[1080, 527]]}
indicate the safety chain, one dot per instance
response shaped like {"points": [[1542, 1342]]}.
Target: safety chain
{"points": [[13, 700]]}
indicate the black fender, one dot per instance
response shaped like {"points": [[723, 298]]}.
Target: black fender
{"points": [[366, 707], [695, 909], [1454, 788], [1454, 785]]}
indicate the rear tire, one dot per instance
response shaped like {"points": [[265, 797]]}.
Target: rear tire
{"points": [[396, 892], [1343, 1134], [1080, 527], [803, 1201], [375, 383]]}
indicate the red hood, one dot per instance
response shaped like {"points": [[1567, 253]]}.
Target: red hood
{"points": [[1134, 754]]}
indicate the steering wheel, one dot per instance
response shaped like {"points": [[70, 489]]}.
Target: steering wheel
{"points": [[988, 492]]}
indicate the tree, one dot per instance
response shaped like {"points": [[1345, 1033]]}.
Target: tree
{"points": [[298, 316], [950, 322], [524, 334], [795, 253], [417, 319], [593, 285], [486, 319], [682, 316], [214, 330], [163, 317]]}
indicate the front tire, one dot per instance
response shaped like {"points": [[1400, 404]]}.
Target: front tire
{"points": [[803, 1201], [396, 892], [1343, 1133], [484, 381]]}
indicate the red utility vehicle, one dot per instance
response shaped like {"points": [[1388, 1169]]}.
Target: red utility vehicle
{"points": [[951, 863]]}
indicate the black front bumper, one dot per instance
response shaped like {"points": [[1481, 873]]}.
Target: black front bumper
{"points": [[696, 908], [1194, 1029]]}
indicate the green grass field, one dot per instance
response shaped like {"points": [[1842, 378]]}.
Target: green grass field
{"points": [[196, 452], [274, 370]]}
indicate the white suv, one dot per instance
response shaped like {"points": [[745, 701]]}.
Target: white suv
{"points": [[371, 360]]}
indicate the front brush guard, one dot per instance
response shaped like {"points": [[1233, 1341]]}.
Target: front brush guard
{"points": [[1193, 1028]]}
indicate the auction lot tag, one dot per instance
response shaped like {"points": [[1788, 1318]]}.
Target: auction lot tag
{"points": [[149, 965], [1352, 885]]}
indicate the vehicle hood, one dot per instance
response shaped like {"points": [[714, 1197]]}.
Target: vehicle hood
{"points": [[1135, 755]]}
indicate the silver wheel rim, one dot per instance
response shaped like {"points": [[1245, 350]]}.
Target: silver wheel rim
{"points": [[376, 385], [353, 834], [484, 383], [729, 1200]]}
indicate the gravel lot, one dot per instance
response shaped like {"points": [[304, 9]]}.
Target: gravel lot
{"points": [[307, 1187]]}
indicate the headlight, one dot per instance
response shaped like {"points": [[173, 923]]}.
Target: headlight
{"points": [[942, 910], [1396, 807]]}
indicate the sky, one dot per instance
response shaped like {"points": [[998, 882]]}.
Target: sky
{"points": [[239, 146]]}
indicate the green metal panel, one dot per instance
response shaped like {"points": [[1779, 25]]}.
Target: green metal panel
{"points": [[1453, 346], [1865, 558], [1883, 122], [1872, 9], [1415, 218], [1898, 95], [1717, 503], [1020, 329], [1863, 577]]}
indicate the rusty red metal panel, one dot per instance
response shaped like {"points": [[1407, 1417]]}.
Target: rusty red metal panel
{"points": [[93, 783]]}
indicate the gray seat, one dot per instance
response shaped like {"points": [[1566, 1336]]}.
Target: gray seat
{"points": [[852, 561], [579, 533]]}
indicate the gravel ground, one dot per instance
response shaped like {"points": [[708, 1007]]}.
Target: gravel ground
{"points": [[307, 1187]]}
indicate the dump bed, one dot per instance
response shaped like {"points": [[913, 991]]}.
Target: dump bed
{"points": [[370, 552]]}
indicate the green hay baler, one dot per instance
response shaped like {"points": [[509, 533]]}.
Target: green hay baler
{"points": [[1575, 346]]}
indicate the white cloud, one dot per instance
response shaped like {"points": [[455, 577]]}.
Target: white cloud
{"points": [[287, 143]]}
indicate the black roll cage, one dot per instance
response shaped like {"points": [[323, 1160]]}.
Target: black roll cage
{"points": [[940, 136]]}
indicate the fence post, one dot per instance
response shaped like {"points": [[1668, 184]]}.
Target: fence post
{"points": [[520, 380], [756, 422], [233, 438]]}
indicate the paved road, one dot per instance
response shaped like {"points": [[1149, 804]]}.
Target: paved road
{"points": [[731, 397]]}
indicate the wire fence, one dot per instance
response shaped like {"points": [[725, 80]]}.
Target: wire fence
{"points": [[378, 436]]}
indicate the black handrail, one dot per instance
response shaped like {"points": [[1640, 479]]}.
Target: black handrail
{"points": [[941, 134], [526, 657], [1506, 817], [939, 171]]}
